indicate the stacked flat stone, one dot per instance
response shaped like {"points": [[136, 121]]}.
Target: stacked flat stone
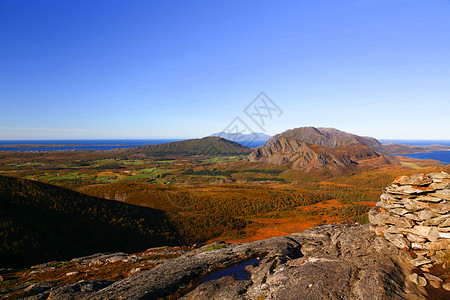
{"points": [[414, 214]]}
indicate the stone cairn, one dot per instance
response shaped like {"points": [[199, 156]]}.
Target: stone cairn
{"points": [[414, 214]]}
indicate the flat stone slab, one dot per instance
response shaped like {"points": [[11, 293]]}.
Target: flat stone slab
{"points": [[439, 175], [443, 194], [417, 180], [432, 277], [418, 279], [417, 262], [428, 198], [409, 189]]}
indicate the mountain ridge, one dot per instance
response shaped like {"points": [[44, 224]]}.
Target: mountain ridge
{"points": [[203, 146], [327, 137], [316, 148]]}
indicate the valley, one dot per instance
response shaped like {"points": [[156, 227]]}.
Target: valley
{"points": [[268, 199], [59, 205]]}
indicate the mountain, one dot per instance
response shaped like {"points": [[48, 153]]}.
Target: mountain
{"points": [[327, 137], [318, 148], [41, 222], [204, 146], [254, 136]]}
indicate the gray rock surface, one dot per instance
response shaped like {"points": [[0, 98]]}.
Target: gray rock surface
{"points": [[325, 262]]}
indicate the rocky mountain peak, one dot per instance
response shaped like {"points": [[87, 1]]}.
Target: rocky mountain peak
{"points": [[315, 148], [326, 137]]}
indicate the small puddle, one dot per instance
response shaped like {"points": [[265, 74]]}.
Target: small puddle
{"points": [[237, 271]]}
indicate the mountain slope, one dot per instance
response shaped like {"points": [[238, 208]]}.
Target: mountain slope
{"points": [[204, 146], [327, 137], [41, 222], [315, 148]]}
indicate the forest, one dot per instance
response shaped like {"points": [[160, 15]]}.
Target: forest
{"points": [[58, 205]]}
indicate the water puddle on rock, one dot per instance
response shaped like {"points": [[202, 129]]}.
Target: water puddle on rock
{"points": [[237, 271]]}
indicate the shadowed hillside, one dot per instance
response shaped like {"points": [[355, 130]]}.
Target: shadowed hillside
{"points": [[41, 222]]}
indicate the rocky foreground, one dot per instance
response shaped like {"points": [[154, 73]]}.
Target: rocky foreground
{"points": [[325, 262], [403, 254]]}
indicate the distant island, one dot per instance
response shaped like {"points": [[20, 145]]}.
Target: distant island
{"points": [[239, 137]]}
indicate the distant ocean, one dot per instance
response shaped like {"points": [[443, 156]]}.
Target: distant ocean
{"points": [[89, 145], [442, 156], [417, 142]]}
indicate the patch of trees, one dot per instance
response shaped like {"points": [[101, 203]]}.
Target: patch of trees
{"points": [[109, 167], [271, 172], [354, 213], [265, 179], [213, 172]]}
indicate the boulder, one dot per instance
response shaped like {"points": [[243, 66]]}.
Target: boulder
{"points": [[379, 217], [442, 194], [418, 246], [388, 206], [418, 279], [446, 286], [441, 185], [429, 198], [426, 268], [408, 189], [431, 233], [398, 240], [446, 222], [439, 175], [435, 284], [412, 216], [417, 262], [414, 205], [416, 179], [431, 277], [439, 245], [444, 235], [425, 214], [438, 221], [389, 199], [398, 211], [440, 208], [414, 238]]}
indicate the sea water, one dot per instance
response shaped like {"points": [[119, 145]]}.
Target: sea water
{"points": [[91, 145], [442, 156]]}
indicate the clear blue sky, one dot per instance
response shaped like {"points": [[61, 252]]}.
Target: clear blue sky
{"points": [[181, 69]]}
